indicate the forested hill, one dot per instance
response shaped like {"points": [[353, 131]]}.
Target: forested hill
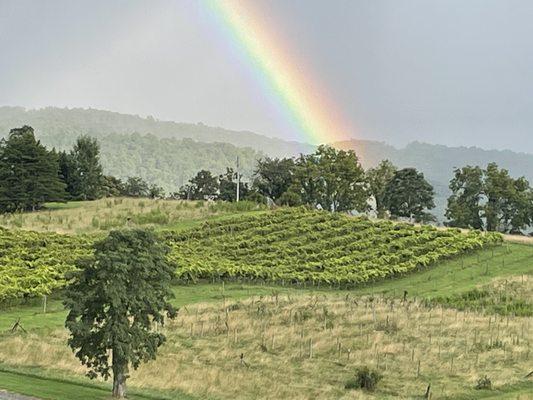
{"points": [[61, 126], [169, 153]]}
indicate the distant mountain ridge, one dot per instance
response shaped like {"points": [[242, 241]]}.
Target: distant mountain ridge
{"points": [[51, 121], [169, 153]]}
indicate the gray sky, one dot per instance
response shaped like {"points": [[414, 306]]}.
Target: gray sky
{"points": [[455, 72]]}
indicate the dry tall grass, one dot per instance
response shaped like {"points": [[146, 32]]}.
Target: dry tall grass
{"points": [[307, 347], [104, 214]]}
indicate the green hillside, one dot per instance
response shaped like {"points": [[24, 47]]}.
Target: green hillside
{"points": [[283, 246]]}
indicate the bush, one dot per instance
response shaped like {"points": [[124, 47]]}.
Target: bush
{"points": [[484, 383], [365, 378]]}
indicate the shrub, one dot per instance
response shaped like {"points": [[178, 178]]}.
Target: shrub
{"points": [[484, 383], [365, 378]]}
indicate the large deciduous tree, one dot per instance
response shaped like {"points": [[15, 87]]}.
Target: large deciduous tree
{"points": [[464, 208], [29, 173], [273, 176], [378, 178], [490, 199], [115, 302], [203, 186], [509, 204], [331, 178], [409, 195]]}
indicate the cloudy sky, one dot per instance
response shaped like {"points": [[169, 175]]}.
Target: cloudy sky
{"points": [[453, 72]]}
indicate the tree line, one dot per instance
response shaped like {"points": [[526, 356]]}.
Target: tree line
{"points": [[486, 199], [329, 178], [31, 175]]}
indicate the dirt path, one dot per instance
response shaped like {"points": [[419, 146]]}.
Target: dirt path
{"points": [[13, 396], [519, 239]]}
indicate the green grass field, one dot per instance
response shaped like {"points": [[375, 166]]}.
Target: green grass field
{"points": [[32, 382]]}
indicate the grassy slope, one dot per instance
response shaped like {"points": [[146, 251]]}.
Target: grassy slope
{"points": [[99, 216], [462, 273]]}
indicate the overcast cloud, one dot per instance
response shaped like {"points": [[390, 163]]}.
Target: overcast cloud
{"points": [[455, 72]]}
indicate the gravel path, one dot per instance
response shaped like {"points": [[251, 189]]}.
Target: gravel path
{"points": [[13, 396]]}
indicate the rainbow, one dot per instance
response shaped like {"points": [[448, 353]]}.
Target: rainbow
{"points": [[305, 105]]}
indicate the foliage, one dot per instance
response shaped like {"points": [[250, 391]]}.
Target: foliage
{"points": [[297, 245], [273, 176], [378, 178], [484, 383], [331, 178], [34, 264], [227, 187], [365, 378], [136, 187], [84, 176], [114, 300], [29, 173], [203, 186], [464, 208], [291, 245], [408, 195], [490, 199]]}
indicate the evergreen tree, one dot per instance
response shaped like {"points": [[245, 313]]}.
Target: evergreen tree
{"points": [[409, 195], [113, 186], [86, 179], [29, 173], [115, 301]]}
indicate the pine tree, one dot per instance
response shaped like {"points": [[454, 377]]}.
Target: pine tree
{"points": [[29, 173], [86, 180]]}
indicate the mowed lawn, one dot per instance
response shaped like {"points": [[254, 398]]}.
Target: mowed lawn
{"points": [[46, 387]]}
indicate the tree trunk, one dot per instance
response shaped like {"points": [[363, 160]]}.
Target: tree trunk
{"points": [[120, 370], [119, 385]]}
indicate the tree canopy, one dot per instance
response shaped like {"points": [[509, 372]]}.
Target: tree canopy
{"points": [[490, 199], [409, 195], [115, 302]]}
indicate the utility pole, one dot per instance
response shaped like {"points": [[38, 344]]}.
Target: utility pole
{"points": [[238, 180]]}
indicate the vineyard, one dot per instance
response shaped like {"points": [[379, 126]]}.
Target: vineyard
{"points": [[34, 264], [297, 246], [288, 245]]}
